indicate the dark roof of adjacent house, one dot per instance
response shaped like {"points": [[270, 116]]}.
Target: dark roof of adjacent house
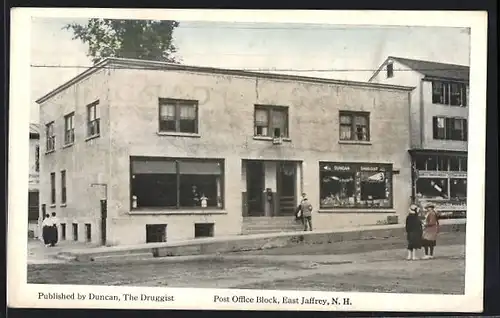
{"points": [[432, 69], [34, 130], [118, 63]]}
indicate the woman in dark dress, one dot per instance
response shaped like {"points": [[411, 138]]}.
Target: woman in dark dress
{"points": [[46, 230], [413, 232]]}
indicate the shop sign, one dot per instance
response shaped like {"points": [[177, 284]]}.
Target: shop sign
{"points": [[341, 168], [369, 168], [34, 178], [441, 174]]}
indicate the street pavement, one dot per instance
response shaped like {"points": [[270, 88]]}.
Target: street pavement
{"points": [[368, 265]]}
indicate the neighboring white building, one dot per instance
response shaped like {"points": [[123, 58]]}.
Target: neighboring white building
{"points": [[438, 118], [34, 174]]}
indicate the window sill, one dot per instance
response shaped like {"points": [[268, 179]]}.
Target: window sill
{"points": [[178, 134], [92, 137], [52, 205], [50, 151], [357, 210], [63, 205], [176, 212], [355, 142], [68, 145], [285, 139]]}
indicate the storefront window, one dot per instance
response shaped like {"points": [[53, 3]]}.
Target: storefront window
{"points": [[420, 162], [458, 188], [443, 162], [432, 188], [431, 163], [176, 183], [355, 185], [454, 163], [463, 164]]}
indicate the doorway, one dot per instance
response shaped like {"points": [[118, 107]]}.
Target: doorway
{"points": [[286, 187], [255, 187]]}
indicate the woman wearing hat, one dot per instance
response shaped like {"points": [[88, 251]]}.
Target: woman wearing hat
{"points": [[413, 232], [431, 229]]}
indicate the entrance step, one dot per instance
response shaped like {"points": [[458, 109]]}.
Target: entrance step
{"points": [[258, 225]]}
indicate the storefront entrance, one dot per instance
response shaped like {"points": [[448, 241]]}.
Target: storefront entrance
{"points": [[270, 188], [255, 188], [286, 188]]}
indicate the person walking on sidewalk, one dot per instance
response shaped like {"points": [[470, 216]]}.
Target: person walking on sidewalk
{"points": [[413, 229], [54, 223], [46, 230], [306, 212], [431, 229]]}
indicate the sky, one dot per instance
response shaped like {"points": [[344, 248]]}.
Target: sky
{"points": [[340, 52]]}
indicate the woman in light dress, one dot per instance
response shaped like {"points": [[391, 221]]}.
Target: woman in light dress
{"points": [[431, 230]]}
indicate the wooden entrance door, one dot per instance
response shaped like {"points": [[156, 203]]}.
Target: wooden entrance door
{"points": [[255, 188], [286, 187]]}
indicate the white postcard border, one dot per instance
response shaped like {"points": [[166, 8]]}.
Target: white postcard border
{"points": [[21, 294]]}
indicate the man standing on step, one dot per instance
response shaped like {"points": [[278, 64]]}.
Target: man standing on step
{"points": [[306, 211]]}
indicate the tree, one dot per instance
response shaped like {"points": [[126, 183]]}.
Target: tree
{"points": [[138, 39]]}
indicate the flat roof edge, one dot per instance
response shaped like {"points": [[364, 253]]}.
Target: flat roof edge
{"points": [[157, 65]]}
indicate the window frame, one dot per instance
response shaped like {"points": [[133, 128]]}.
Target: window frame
{"points": [[353, 115], [64, 187], [69, 134], [95, 122], [50, 137], [270, 110], [178, 160], [177, 104], [356, 169], [443, 94], [448, 131], [53, 190]]}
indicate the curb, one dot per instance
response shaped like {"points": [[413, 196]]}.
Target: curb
{"points": [[217, 246]]}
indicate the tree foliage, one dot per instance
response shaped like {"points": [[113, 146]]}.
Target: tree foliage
{"points": [[138, 39]]}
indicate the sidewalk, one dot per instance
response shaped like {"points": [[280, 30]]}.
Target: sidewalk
{"points": [[220, 245], [38, 253]]}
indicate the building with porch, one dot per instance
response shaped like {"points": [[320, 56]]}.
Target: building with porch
{"points": [[33, 185], [439, 114], [140, 151]]}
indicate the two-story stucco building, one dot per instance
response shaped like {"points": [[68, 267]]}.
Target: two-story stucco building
{"points": [[439, 113], [180, 152], [33, 185]]}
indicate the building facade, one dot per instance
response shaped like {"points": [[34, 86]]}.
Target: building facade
{"points": [[179, 152], [34, 182], [439, 128]]}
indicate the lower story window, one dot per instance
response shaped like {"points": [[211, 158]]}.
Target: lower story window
{"points": [[176, 183], [344, 185], [458, 188], [432, 188]]}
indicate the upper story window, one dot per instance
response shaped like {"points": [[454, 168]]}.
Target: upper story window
{"points": [[93, 120], [69, 129], [37, 158], [271, 121], [354, 126], [390, 70], [178, 116], [63, 187], [446, 128], [50, 137], [454, 94]]}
